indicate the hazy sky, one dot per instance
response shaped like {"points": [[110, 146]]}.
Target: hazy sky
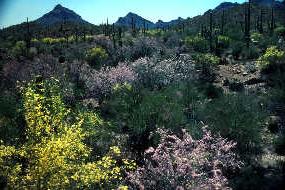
{"points": [[95, 11]]}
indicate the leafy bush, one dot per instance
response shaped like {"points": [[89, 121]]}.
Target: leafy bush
{"points": [[51, 41], [272, 56], [206, 63], [223, 41], [19, 49], [280, 31], [99, 84], [236, 117], [156, 74], [185, 163], [141, 112], [237, 48], [250, 53], [96, 56], [197, 43], [256, 37], [53, 154], [140, 47]]}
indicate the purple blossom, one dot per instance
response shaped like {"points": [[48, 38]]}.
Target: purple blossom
{"points": [[185, 163]]}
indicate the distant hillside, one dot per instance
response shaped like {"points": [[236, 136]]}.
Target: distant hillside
{"points": [[226, 6], [60, 14], [140, 21], [161, 24]]}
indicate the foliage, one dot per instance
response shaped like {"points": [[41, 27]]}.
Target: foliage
{"points": [[141, 112], [53, 155], [272, 56], [206, 63], [185, 163], [207, 59], [96, 56], [51, 41], [140, 47], [237, 48], [250, 53], [280, 31], [256, 37], [99, 84], [237, 117], [156, 74], [19, 49], [197, 43], [223, 41]]}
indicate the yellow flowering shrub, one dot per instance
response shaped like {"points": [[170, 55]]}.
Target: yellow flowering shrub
{"points": [[54, 155]]}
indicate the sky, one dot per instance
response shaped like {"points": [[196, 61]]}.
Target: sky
{"points": [[96, 11]]}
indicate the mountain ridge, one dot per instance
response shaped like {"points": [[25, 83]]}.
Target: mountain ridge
{"points": [[60, 14]]}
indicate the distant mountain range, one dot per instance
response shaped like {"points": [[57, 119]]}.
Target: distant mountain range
{"points": [[140, 22]]}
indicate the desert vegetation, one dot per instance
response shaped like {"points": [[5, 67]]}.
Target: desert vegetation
{"points": [[198, 104]]}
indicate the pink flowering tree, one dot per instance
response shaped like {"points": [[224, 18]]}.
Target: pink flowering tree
{"points": [[185, 163]]}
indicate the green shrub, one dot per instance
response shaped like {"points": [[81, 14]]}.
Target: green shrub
{"points": [[237, 48], [207, 58], [272, 56], [250, 53], [19, 49], [96, 56], [223, 41], [197, 43], [237, 117], [206, 63], [53, 40], [139, 113], [280, 31], [256, 37]]}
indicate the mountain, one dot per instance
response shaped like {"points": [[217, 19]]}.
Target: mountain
{"points": [[266, 2], [225, 6], [161, 24], [139, 21], [60, 14]]}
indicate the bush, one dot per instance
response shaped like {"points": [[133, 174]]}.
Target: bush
{"points": [[280, 31], [53, 154], [237, 48], [156, 74], [96, 57], [197, 43], [139, 113], [223, 41], [272, 56], [256, 37], [238, 118], [206, 63], [250, 53], [185, 163], [20, 49], [140, 47], [51, 41]]}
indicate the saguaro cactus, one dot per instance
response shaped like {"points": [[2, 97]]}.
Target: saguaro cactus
{"points": [[28, 35], [247, 23], [120, 37], [223, 22], [272, 22], [211, 31], [133, 23]]}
